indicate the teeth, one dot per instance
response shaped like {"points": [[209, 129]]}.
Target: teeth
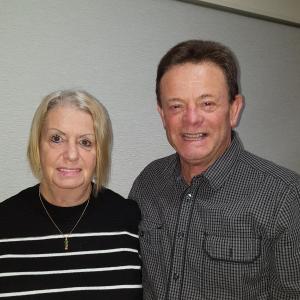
{"points": [[194, 135]]}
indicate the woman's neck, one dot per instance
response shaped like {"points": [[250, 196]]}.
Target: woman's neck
{"points": [[65, 197]]}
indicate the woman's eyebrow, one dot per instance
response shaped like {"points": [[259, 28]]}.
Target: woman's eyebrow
{"points": [[55, 129]]}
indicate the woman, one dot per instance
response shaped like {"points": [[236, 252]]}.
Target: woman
{"points": [[69, 237]]}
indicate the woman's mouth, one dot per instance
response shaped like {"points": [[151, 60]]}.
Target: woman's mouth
{"points": [[69, 171]]}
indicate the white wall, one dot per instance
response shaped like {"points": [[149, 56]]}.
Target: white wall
{"points": [[111, 48], [287, 10]]}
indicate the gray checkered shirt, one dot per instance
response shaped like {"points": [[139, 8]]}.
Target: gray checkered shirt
{"points": [[234, 233]]}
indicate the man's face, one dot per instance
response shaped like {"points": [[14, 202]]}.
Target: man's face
{"points": [[196, 112]]}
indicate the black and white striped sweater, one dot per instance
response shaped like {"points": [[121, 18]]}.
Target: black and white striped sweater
{"points": [[102, 261]]}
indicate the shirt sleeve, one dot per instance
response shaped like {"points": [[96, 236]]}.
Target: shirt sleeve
{"points": [[286, 269]]}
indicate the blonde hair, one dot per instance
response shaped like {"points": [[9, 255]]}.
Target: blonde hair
{"points": [[102, 127]]}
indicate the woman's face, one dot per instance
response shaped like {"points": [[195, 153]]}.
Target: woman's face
{"points": [[67, 149]]}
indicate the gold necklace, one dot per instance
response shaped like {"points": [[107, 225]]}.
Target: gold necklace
{"points": [[65, 235]]}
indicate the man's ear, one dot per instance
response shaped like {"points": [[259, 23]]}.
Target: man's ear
{"points": [[161, 113], [236, 108]]}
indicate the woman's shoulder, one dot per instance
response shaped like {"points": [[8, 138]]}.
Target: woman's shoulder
{"points": [[117, 203], [20, 199], [17, 212], [111, 196]]}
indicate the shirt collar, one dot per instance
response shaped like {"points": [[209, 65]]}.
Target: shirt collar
{"points": [[220, 170]]}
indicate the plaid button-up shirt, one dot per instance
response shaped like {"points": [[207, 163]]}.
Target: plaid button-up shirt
{"points": [[234, 233]]}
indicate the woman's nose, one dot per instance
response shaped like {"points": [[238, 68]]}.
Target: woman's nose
{"points": [[71, 151]]}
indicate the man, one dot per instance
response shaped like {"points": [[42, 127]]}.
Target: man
{"points": [[217, 221]]}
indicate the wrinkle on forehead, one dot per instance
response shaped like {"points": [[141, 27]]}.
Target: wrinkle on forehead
{"points": [[193, 81]]}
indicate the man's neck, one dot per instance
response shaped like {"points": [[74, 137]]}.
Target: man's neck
{"points": [[188, 172]]}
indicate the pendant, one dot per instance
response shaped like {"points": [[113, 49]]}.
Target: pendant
{"points": [[66, 243]]}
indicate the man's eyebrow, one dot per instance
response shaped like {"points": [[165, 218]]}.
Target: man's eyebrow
{"points": [[203, 96], [174, 99]]}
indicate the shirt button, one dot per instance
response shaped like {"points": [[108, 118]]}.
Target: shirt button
{"points": [[175, 276], [188, 197]]}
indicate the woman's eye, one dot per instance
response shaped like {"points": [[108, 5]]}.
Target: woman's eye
{"points": [[86, 143], [56, 138]]}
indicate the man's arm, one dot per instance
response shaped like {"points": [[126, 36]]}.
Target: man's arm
{"points": [[285, 274]]}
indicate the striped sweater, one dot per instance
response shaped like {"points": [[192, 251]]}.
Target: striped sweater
{"points": [[102, 261]]}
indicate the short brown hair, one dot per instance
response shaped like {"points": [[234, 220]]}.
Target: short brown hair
{"points": [[102, 127], [198, 51]]}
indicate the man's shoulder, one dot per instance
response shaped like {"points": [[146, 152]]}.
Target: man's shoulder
{"points": [[153, 175], [270, 168], [160, 166]]}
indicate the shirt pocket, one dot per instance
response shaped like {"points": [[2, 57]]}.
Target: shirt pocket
{"points": [[243, 250], [149, 232], [150, 247]]}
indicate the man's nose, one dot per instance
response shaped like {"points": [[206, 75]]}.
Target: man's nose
{"points": [[193, 114]]}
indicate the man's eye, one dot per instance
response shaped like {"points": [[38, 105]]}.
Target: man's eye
{"points": [[56, 139], [175, 106], [209, 105], [86, 143]]}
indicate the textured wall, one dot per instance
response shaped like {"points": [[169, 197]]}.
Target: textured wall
{"points": [[111, 48]]}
